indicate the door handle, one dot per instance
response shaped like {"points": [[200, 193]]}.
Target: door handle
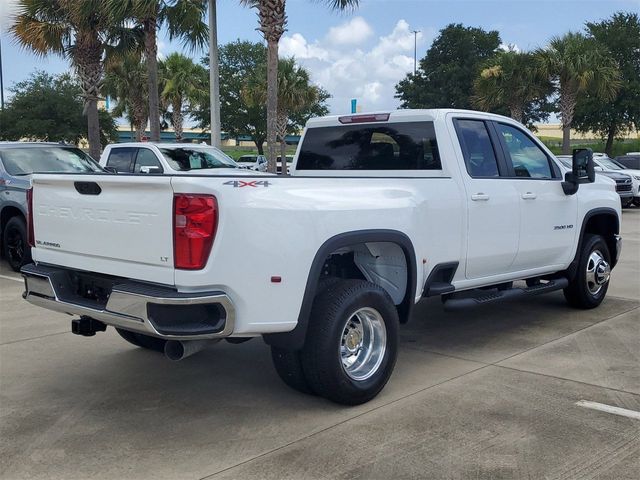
{"points": [[529, 196], [477, 197]]}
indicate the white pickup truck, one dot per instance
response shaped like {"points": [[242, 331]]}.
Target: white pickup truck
{"points": [[380, 211]]}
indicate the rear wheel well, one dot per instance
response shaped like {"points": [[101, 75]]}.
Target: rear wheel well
{"points": [[381, 263], [384, 257]]}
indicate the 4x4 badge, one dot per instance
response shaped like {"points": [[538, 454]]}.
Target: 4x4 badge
{"points": [[242, 183]]}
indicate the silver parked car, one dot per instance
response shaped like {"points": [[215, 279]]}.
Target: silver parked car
{"points": [[18, 160]]}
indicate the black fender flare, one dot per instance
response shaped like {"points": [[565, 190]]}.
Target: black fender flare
{"points": [[573, 266], [294, 340]]}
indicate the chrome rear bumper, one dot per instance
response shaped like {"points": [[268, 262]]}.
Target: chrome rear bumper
{"points": [[152, 310]]}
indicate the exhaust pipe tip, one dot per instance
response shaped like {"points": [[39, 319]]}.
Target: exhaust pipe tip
{"points": [[176, 350]]}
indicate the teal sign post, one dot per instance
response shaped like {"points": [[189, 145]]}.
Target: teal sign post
{"points": [[354, 103]]}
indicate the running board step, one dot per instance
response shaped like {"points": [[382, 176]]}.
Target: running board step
{"points": [[510, 294]]}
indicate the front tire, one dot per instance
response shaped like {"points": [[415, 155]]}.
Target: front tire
{"points": [[590, 284], [14, 241], [352, 342], [143, 341]]}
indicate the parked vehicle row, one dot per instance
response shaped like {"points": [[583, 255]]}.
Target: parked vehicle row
{"points": [[627, 181], [380, 211], [18, 161]]}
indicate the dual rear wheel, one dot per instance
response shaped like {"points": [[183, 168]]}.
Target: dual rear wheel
{"points": [[351, 345]]}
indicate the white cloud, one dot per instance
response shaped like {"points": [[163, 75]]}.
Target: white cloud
{"points": [[353, 32], [509, 47], [366, 70]]}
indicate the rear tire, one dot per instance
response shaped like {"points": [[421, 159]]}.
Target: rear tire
{"points": [[143, 341], [288, 364], [289, 368], [14, 243], [589, 286], [352, 342]]}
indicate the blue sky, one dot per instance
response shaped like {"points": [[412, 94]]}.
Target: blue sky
{"points": [[364, 53]]}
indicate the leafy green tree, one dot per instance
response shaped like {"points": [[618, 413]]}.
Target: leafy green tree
{"points": [[273, 20], [446, 74], [79, 30], [183, 20], [126, 82], [296, 94], [577, 65], [510, 80], [238, 61], [50, 108], [183, 83], [611, 119]]}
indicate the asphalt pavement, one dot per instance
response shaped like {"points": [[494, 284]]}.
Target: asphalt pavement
{"points": [[527, 389]]}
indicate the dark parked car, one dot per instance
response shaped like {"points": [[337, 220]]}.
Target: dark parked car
{"points": [[18, 160], [630, 160]]}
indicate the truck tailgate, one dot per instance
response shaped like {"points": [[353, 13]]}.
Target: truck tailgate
{"points": [[112, 224]]}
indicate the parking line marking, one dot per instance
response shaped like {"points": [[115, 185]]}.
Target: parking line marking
{"points": [[12, 278], [609, 409]]}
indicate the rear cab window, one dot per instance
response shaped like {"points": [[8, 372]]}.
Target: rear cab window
{"points": [[370, 147]]}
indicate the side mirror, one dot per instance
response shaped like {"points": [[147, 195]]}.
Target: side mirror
{"points": [[598, 169], [583, 166], [150, 169], [583, 170], [111, 169]]}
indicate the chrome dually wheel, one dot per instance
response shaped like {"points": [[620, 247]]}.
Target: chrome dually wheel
{"points": [[598, 272], [363, 343]]}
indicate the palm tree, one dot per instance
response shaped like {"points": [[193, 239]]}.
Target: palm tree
{"points": [[183, 81], [126, 82], [273, 20], [510, 79], [183, 19], [577, 64], [74, 29], [295, 94]]}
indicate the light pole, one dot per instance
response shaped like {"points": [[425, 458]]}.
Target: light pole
{"points": [[214, 76], [415, 50], [1, 79]]}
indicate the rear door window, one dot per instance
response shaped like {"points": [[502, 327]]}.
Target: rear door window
{"points": [[479, 154], [146, 158], [391, 146], [120, 158]]}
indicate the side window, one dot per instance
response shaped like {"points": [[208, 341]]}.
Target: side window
{"points": [[527, 158], [146, 158], [479, 156], [120, 158]]}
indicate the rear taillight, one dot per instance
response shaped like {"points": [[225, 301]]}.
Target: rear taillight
{"points": [[195, 219], [31, 239]]}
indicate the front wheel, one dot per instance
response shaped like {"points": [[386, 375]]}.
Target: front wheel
{"points": [[352, 342], [591, 282]]}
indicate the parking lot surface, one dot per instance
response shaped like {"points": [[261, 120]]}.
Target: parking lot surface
{"points": [[485, 393]]}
